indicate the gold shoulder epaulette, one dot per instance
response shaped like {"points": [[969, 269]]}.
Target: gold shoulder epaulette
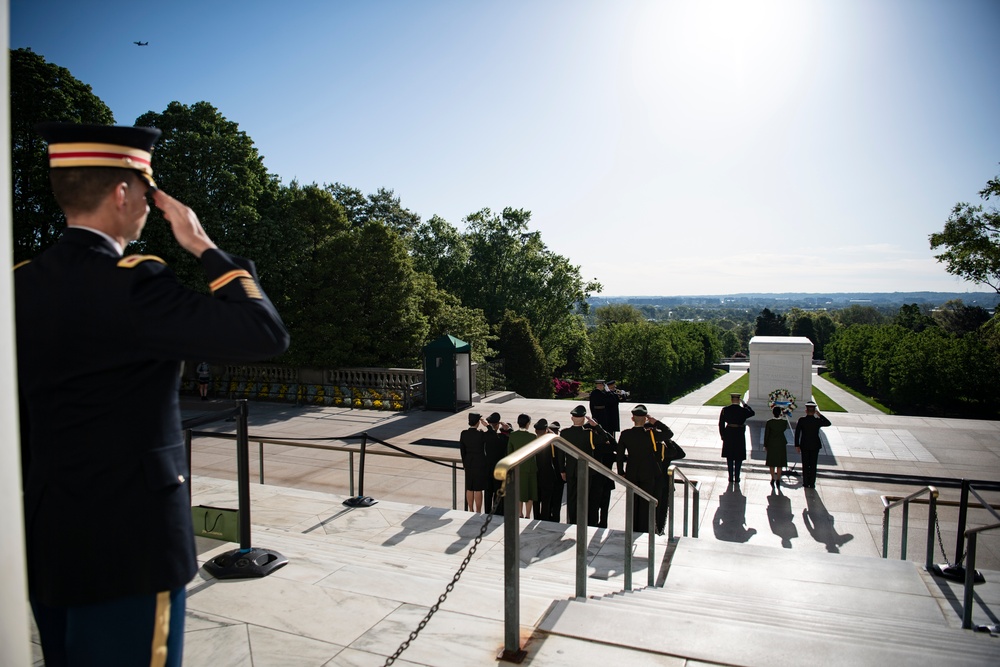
{"points": [[133, 261], [20, 264]]}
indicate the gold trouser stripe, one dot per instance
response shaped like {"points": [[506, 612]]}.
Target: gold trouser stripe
{"points": [[161, 630]]}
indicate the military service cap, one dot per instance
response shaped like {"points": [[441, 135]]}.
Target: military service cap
{"points": [[494, 418], [640, 410], [578, 411], [80, 145]]}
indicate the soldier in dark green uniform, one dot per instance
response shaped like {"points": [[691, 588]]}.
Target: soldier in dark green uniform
{"points": [[100, 339]]}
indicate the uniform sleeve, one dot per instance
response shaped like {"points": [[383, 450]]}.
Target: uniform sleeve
{"points": [[798, 432], [722, 423], [236, 323], [823, 421]]}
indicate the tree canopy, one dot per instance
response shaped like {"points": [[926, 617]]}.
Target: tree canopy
{"points": [[41, 91], [971, 240]]}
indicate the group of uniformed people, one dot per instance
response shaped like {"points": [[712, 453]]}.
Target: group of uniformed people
{"points": [[640, 454]]}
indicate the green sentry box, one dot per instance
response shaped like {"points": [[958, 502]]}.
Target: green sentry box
{"points": [[217, 523]]}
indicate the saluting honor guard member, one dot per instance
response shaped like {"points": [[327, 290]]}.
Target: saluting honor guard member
{"points": [[100, 339], [808, 444], [642, 450], [733, 430], [588, 436]]}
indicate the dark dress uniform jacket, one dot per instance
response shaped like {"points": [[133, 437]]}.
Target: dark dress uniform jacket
{"points": [[732, 429], [807, 431], [99, 339], [473, 450]]}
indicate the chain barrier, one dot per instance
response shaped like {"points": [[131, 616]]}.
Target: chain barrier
{"points": [[454, 580]]}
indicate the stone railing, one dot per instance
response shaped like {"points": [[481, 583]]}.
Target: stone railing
{"points": [[362, 388]]}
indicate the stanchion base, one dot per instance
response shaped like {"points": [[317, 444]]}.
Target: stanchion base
{"points": [[517, 657], [956, 573], [245, 564], [360, 501]]}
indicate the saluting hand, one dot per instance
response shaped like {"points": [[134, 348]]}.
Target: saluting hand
{"points": [[184, 224]]}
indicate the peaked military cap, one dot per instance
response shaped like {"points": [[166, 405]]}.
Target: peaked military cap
{"points": [[541, 424], [639, 410], [81, 145], [494, 418], [474, 418], [578, 411], [555, 426]]}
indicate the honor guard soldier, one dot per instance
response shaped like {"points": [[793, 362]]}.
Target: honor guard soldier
{"points": [[733, 431], [599, 403], [642, 450], [808, 444], [590, 437], [100, 339], [495, 442]]}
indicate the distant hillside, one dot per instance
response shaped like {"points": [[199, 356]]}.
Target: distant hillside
{"points": [[785, 300]]}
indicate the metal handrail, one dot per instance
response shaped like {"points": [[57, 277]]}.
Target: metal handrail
{"points": [[506, 472], [931, 520], [971, 536], [350, 449], [695, 487]]}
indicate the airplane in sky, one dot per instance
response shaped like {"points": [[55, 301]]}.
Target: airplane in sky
{"points": [[141, 43]]}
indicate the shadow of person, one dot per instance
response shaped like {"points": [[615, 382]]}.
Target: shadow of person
{"points": [[819, 523], [730, 519], [425, 520], [779, 516], [471, 529]]}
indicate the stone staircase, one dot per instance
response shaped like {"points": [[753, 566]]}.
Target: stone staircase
{"points": [[739, 604], [360, 580]]}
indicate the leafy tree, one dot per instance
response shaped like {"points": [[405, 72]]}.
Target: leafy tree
{"points": [[445, 314], [971, 240], [858, 314], [440, 250], [41, 91], [957, 318], [207, 162], [770, 324], [510, 268], [382, 205], [525, 365], [911, 316], [616, 313], [730, 343], [805, 326], [824, 327]]}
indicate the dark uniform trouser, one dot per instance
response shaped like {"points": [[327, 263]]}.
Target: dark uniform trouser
{"points": [[810, 456], [132, 630], [662, 497], [593, 500]]}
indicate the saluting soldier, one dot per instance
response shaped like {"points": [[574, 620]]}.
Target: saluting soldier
{"points": [[613, 420], [599, 403], [100, 339], [642, 450], [808, 443], [588, 436], [733, 431]]}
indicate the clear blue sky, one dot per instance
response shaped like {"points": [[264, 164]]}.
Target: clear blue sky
{"points": [[668, 148]]}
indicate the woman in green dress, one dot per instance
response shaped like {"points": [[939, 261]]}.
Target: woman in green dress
{"points": [[528, 471], [777, 446]]}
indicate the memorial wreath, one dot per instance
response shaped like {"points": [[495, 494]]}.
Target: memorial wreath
{"points": [[783, 399]]}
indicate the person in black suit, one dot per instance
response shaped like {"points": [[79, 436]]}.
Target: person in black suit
{"points": [[599, 404], [808, 444], [472, 447], [495, 442], [733, 430], [100, 339]]}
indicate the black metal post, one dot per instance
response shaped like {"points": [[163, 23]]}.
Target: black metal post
{"points": [[361, 500], [245, 562], [243, 472]]}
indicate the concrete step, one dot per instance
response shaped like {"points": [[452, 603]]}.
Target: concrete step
{"points": [[691, 635], [736, 604]]}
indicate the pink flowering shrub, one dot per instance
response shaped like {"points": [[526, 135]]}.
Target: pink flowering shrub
{"points": [[565, 388]]}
